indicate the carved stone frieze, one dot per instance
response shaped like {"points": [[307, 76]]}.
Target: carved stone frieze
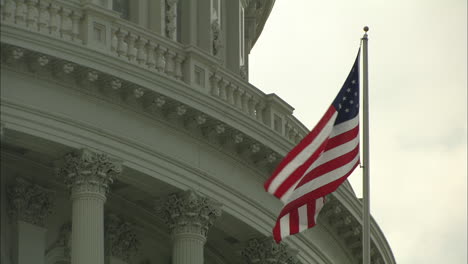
{"points": [[189, 212], [87, 171], [121, 238], [265, 250], [29, 202]]}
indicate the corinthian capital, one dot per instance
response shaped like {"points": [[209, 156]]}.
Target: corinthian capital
{"points": [[87, 171], [266, 250], [29, 202], [121, 238], [189, 212]]}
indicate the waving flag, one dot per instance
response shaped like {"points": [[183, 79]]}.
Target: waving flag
{"points": [[319, 163]]}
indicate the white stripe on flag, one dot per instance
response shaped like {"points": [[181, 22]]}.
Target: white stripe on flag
{"points": [[318, 206], [345, 126], [302, 156], [303, 219], [323, 180], [284, 226], [335, 153]]}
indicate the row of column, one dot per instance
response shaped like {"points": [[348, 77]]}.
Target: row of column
{"points": [[88, 175]]}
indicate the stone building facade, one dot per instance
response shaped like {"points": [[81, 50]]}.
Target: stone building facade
{"points": [[131, 134]]}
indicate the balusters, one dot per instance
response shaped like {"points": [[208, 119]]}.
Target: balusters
{"points": [[238, 98], [179, 59], [170, 62], [141, 53], [20, 13], [151, 57], [44, 17], [230, 93], [214, 79], [8, 11], [259, 108], [53, 26], [245, 102], [131, 50], [32, 14], [222, 90], [75, 18], [160, 59], [65, 24], [121, 44]]}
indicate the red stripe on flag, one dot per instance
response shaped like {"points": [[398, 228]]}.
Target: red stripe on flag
{"points": [[315, 194], [311, 213], [294, 221], [299, 172], [302, 145], [330, 166], [277, 231], [342, 138]]}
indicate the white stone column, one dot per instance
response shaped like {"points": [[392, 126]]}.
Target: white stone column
{"points": [[88, 175], [29, 204], [189, 216], [265, 250]]}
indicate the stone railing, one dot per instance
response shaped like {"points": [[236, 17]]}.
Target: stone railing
{"points": [[102, 30]]}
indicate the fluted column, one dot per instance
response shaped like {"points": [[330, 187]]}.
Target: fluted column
{"points": [[29, 205], [88, 175], [189, 216], [266, 251]]}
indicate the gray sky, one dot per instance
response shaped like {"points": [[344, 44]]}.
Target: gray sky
{"points": [[418, 102]]}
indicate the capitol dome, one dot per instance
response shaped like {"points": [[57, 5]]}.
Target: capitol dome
{"points": [[130, 134]]}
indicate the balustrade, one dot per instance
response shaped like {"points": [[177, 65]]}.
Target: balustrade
{"points": [[103, 30]]}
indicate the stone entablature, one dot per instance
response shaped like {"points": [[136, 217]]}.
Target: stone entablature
{"points": [[29, 202], [349, 231]]}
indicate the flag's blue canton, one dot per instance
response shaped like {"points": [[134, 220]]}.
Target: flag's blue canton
{"points": [[347, 100]]}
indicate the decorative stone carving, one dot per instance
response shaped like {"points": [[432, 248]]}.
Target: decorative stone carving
{"points": [[201, 119], [63, 240], [121, 238], [115, 84], [216, 35], [17, 53], [29, 202], [255, 148], [267, 251], [92, 76], [160, 101], [87, 171], [42, 60], [238, 138], [181, 110], [68, 68], [189, 212], [171, 18], [243, 72], [138, 92]]}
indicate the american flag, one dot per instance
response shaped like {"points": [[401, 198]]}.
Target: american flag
{"points": [[319, 163]]}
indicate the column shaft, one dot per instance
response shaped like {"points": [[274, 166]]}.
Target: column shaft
{"points": [[188, 249], [88, 229]]}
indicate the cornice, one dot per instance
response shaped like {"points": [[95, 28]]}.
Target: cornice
{"points": [[153, 82]]}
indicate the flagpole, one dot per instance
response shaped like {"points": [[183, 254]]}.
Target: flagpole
{"points": [[365, 152]]}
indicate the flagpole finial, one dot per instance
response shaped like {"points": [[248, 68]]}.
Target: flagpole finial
{"points": [[366, 28]]}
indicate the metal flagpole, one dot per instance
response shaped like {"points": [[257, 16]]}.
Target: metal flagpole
{"points": [[365, 152]]}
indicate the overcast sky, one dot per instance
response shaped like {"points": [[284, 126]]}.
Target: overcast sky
{"points": [[418, 102]]}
